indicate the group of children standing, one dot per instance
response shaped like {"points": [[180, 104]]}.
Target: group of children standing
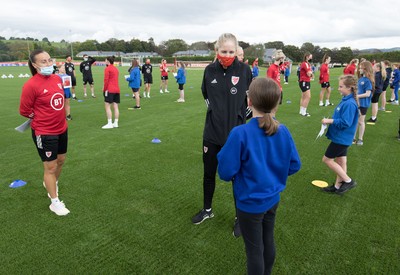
{"points": [[135, 82]]}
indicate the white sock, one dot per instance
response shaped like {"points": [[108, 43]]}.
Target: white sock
{"points": [[73, 95], [320, 102], [347, 181], [55, 200], [373, 117], [109, 121], [208, 210], [327, 102], [116, 120]]}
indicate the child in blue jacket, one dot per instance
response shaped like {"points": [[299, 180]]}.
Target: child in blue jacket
{"points": [[342, 127], [259, 156], [181, 80], [134, 82]]}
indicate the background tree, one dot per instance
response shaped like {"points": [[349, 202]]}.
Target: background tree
{"points": [[293, 52], [88, 45], [174, 45], [243, 44], [200, 45], [254, 51], [307, 47], [274, 45]]}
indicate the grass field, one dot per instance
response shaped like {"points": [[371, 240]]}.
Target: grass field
{"points": [[131, 201]]}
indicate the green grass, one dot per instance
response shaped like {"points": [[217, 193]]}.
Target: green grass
{"points": [[131, 200]]}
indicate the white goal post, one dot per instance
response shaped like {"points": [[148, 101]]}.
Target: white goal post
{"points": [[127, 61]]}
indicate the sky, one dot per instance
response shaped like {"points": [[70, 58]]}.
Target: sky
{"points": [[326, 23]]}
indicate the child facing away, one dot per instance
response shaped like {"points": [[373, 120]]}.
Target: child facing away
{"points": [[259, 156], [341, 130], [181, 80]]}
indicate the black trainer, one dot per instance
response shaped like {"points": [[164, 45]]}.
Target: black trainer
{"points": [[202, 216], [346, 186], [69, 117], [330, 189], [236, 229], [372, 120]]}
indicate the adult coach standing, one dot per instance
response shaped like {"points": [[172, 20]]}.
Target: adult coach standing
{"points": [[304, 82], [147, 71], [42, 100], [224, 87], [70, 70], [274, 70], [86, 70], [111, 92]]}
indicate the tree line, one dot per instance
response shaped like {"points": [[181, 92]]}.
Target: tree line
{"points": [[17, 49]]}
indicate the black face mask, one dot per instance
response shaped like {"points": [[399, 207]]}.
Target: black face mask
{"points": [[310, 60]]}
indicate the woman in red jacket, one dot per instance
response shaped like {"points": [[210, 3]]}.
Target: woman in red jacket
{"points": [[42, 100], [324, 81], [111, 92]]}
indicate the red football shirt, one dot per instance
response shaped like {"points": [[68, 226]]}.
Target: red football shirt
{"points": [[274, 73], [304, 69], [324, 73], [350, 69], [42, 99], [111, 80]]}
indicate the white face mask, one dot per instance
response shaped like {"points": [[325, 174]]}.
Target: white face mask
{"points": [[85, 59], [46, 70]]}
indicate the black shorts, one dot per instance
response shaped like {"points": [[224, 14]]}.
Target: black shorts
{"points": [[87, 80], [325, 85], [148, 79], [73, 80], [363, 110], [375, 97], [385, 87], [164, 77], [335, 150], [50, 146], [135, 90], [180, 86], [111, 97], [304, 86]]}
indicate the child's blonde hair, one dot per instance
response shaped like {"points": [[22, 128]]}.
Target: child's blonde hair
{"points": [[350, 81]]}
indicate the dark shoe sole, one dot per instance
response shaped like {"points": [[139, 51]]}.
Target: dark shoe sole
{"points": [[344, 191], [208, 217]]}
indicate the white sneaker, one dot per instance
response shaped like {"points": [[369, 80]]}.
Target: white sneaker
{"points": [[166, 91], [180, 100], [161, 92], [108, 126], [59, 208], [144, 94], [321, 104], [148, 95], [115, 124], [44, 185]]}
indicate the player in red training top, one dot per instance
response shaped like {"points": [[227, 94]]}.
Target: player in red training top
{"points": [[111, 92], [42, 100], [164, 77], [351, 68], [304, 83], [324, 81], [274, 70]]}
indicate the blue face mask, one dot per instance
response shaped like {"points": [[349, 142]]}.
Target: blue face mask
{"points": [[46, 70]]}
